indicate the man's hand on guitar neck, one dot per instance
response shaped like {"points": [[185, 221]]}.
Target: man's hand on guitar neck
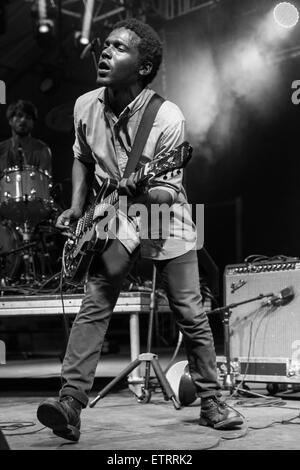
{"points": [[66, 218]]}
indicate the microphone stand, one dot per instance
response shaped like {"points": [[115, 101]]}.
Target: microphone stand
{"points": [[92, 48], [20, 158], [95, 42], [229, 380]]}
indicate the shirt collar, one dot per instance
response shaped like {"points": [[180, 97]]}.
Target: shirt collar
{"points": [[134, 106]]}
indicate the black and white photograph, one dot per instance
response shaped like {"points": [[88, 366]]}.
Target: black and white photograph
{"points": [[149, 228]]}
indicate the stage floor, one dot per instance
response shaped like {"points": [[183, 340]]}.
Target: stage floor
{"points": [[120, 422]]}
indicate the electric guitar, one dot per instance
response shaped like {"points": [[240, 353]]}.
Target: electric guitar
{"points": [[79, 250]]}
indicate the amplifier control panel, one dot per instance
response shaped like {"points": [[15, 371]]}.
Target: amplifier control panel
{"points": [[262, 267]]}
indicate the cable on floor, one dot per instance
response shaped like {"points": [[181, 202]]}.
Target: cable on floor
{"points": [[283, 422], [15, 425]]}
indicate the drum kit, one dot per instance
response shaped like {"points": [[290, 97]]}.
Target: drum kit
{"points": [[28, 237]]}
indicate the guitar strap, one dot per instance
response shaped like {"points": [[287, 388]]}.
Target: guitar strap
{"points": [[142, 134]]}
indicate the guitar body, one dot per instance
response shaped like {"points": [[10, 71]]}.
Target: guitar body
{"points": [[77, 263], [79, 250], [78, 254]]}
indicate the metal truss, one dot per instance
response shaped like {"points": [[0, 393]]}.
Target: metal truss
{"points": [[98, 9], [101, 10], [170, 9]]}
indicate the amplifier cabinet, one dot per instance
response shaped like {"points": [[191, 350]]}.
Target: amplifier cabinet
{"points": [[264, 328]]}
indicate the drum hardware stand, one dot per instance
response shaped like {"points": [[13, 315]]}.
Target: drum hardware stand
{"points": [[229, 377], [150, 359], [22, 158], [28, 256], [44, 262], [3, 278]]}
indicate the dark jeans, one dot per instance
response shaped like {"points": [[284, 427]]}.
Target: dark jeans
{"points": [[181, 280]]}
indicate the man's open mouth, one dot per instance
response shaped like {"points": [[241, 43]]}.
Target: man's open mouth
{"points": [[103, 66]]}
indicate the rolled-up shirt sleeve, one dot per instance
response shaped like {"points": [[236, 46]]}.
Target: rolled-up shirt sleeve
{"points": [[171, 137], [81, 149]]}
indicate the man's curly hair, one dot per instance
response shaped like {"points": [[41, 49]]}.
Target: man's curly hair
{"points": [[150, 46], [22, 106]]}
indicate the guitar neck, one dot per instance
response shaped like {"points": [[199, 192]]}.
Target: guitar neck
{"points": [[112, 199]]}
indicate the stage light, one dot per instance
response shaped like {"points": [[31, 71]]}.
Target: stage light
{"points": [[85, 34], [45, 28], [45, 24], [277, 25], [84, 41], [44, 13], [81, 43], [286, 15]]}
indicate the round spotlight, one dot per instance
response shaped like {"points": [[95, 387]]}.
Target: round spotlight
{"points": [[44, 29], [84, 41], [286, 15]]}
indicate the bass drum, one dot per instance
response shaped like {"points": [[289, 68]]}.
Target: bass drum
{"points": [[10, 240]]}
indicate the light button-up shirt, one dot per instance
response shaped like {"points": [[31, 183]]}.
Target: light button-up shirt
{"points": [[106, 140]]}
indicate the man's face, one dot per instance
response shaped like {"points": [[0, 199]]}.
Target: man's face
{"points": [[119, 61], [21, 123]]}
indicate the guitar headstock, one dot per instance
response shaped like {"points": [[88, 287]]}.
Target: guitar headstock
{"points": [[176, 158]]}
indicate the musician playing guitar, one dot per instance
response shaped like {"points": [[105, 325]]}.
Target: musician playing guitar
{"points": [[106, 123]]}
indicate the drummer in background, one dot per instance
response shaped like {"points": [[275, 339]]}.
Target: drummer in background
{"points": [[22, 149]]}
